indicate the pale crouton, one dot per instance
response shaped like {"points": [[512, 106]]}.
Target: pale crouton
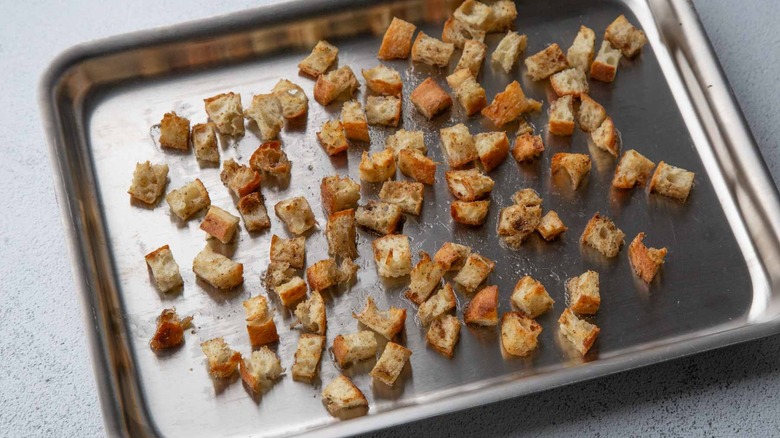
{"points": [[188, 199], [295, 104], [443, 334], [470, 94], [469, 213], [604, 67], [509, 104], [405, 194], [377, 167], [266, 111], [403, 139], [503, 15], [291, 291], [606, 137], [492, 148], [570, 82], [291, 251], [343, 398], [354, 122], [241, 180], [226, 112], [164, 268], [527, 147], [393, 255], [307, 356], [260, 321], [217, 270], [602, 235], [204, 139], [591, 114], [469, 185], [387, 323], [580, 54], [381, 217], [390, 363], [296, 214], [383, 80], [252, 209], [383, 110], [321, 57], [508, 51], [430, 99], [475, 14], [452, 256], [517, 222], [545, 63], [472, 56], [674, 182], [457, 33], [417, 166], [277, 273], [483, 308], [431, 51], [527, 197], [340, 233], [261, 369], [424, 278], [523, 127], [339, 193], [222, 360], [576, 166], [645, 261], [336, 83], [175, 132], [219, 224], [633, 169], [519, 333], [584, 297], [474, 271], [579, 332], [437, 305], [354, 347], [332, 138], [149, 182], [270, 157], [551, 226], [561, 120], [170, 330], [311, 313], [530, 297], [458, 145], [624, 36], [397, 42]]}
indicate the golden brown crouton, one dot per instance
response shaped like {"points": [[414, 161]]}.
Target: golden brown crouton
{"points": [[188, 199], [469, 213], [336, 83], [393, 255], [292, 251], [602, 234], [170, 330], [266, 111], [503, 15], [561, 116], [219, 224], [417, 166], [584, 297], [443, 334], [527, 197], [164, 268], [474, 271], [295, 104], [397, 42], [291, 291], [175, 132], [277, 273], [575, 165], [492, 148], [551, 226], [606, 137], [307, 356], [530, 297], [261, 369], [403, 139], [226, 112], [326, 273], [405, 194], [354, 347], [377, 167], [222, 360], [579, 332], [437, 305], [674, 182], [469, 185], [321, 57], [296, 214], [252, 209], [381, 217], [343, 398], [270, 157], [472, 56], [430, 99], [591, 114], [431, 51], [519, 333], [509, 104], [311, 313], [217, 270], [383, 110], [354, 121], [241, 180], [390, 363], [483, 308], [570, 82], [543, 64], [339, 193], [580, 54], [517, 222], [527, 147], [645, 261], [387, 323], [457, 33], [624, 36], [470, 94], [260, 321], [452, 256], [332, 138], [383, 80], [149, 182], [632, 169], [340, 233], [604, 67], [508, 50], [475, 14], [424, 278], [458, 145]]}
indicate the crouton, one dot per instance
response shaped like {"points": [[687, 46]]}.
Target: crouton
{"points": [[277, 273], [527, 147], [393, 255], [340, 233], [575, 165], [633, 169], [219, 224], [443, 334], [403, 139], [417, 166], [545, 63], [527, 197], [580, 54], [430, 99], [307, 356], [483, 308], [270, 157], [469, 213], [377, 167], [296, 214], [175, 132], [339, 193], [326, 273], [475, 14], [354, 347], [295, 104], [188, 199], [431, 51], [602, 234], [492, 148], [508, 51], [383, 80], [226, 112], [674, 182], [381, 217], [311, 313], [584, 297], [343, 398], [241, 180], [321, 57], [457, 33], [503, 15], [222, 360], [519, 333], [261, 369], [474, 271], [397, 42], [561, 116], [437, 305], [260, 321], [387, 323], [292, 251], [390, 363], [291, 291], [332, 85], [472, 56], [405, 194], [332, 138], [645, 261], [570, 82], [266, 111], [452, 256], [354, 122], [470, 94], [604, 67], [591, 114], [149, 182], [383, 110], [458, 145], [517, 222], [579, 332], [170, 330], [164, 268], [530, 297], [509, 104], [624, 36], [425, 276], [252, 209], [551, 226], [217, 270], [469, 185], [204, 139], [606, 137]]}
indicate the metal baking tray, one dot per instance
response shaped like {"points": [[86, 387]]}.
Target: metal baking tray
{"points": [[101, 102]]}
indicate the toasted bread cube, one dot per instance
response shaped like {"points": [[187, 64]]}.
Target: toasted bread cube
{"points": [[602, 234], [457, 33], [307, 356], [241, 180], [387, 323], [645, 261], [579, 332], [270, 157], [321, 275], [470, 94], [222, 360], [343, 398], [377, 167], [291, 251], [545, 63], [217, 270], [469, 185], [149, 182], [295, 104], [624, 36], [570, 82], [561, 116], [475, 14], [523, 127], [431, 51], [530, 297], [252, 209], [492, 148], [580, 54], [584, 297], [397, 42], [458, 145], [340, 233], [296, 214], [469, 213], [354, 347], [188, 199], [472, 56], [452, 256], [277, 273], [551, 226], [204, 139], [443, 334], [175, 132], [674, 182], [266, 111], [339, 193], [331, 85], [504, 14], [383, 80], [508, 50], [405, 194], [591, 114], [390, 363], [509, 104], [430, 99], [437, 305], [311, 313], [527, 197], [475, 270], [164, 268], [483, 308], [604, 67], [575, 165], [354, 121], [517, 222], [381, 217], [219, 224], [393, 255], [415, 165], [332, 138], [606, 137], [170, 330], [260, 321], [519, 333], [527, 147], [383, 110], [292, 291], [321, 57], [261, 369], [226, 112], [403, 139], [425, 276], [633, 169]]}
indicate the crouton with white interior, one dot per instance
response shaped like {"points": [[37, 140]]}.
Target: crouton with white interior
{"points": [[439, 304], [332, 138], [261, 369], [383, 110], [393, 255], [531, 297], [296, 214], [354, 347], [417, 166], [470, 94], [227, 113], [334, 84], [381, 217], [222, 360], [474, 271], [604, 67], [509, 104], [503, 15], [204, 139], [354, 122], [170, 330], [391, 363], [645, 261], [528, 197], [220, 224], [339, 193], [470, 212], [545, 63], [322, 56], [469, 185], [603, 235], [175, 132], [561, 121], [260, 321], [443, 334], [624, 36], [472, 56], [240, 179], [580, 54], [383, 80], [340, 233], [570, 82], [457, 33], [188, 199], [483, 308], [252, 210], [307, 356], [584, 296], [292, 251], [217, 270], [266, 111], [291, 291], [475, 14], [517, 222], [149, 181], [452, 255], [431, 51], [591, 114], [458, 145], [671, 181], [405, 194], [576, 166], [527, 147], [397, 42], [403, 139], [164, 268], [579, 332], [343, 398], [633, 169], [605, 137], [492, 148], [430, 99], [387, 323], [551, 226], [377, 167], [508, 50], [295, 104], [424, 278], [519, 333], [311, 313]]}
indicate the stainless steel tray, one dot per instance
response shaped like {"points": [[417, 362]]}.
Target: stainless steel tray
{"points": [[101, 100]]}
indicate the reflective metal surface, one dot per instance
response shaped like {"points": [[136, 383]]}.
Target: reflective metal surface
{"points": [[101, 102]]}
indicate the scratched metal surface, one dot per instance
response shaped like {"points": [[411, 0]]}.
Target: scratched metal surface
{"points": [[705, 286]]}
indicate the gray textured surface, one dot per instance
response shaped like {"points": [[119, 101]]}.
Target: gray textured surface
{"points": [[46, 383]]}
